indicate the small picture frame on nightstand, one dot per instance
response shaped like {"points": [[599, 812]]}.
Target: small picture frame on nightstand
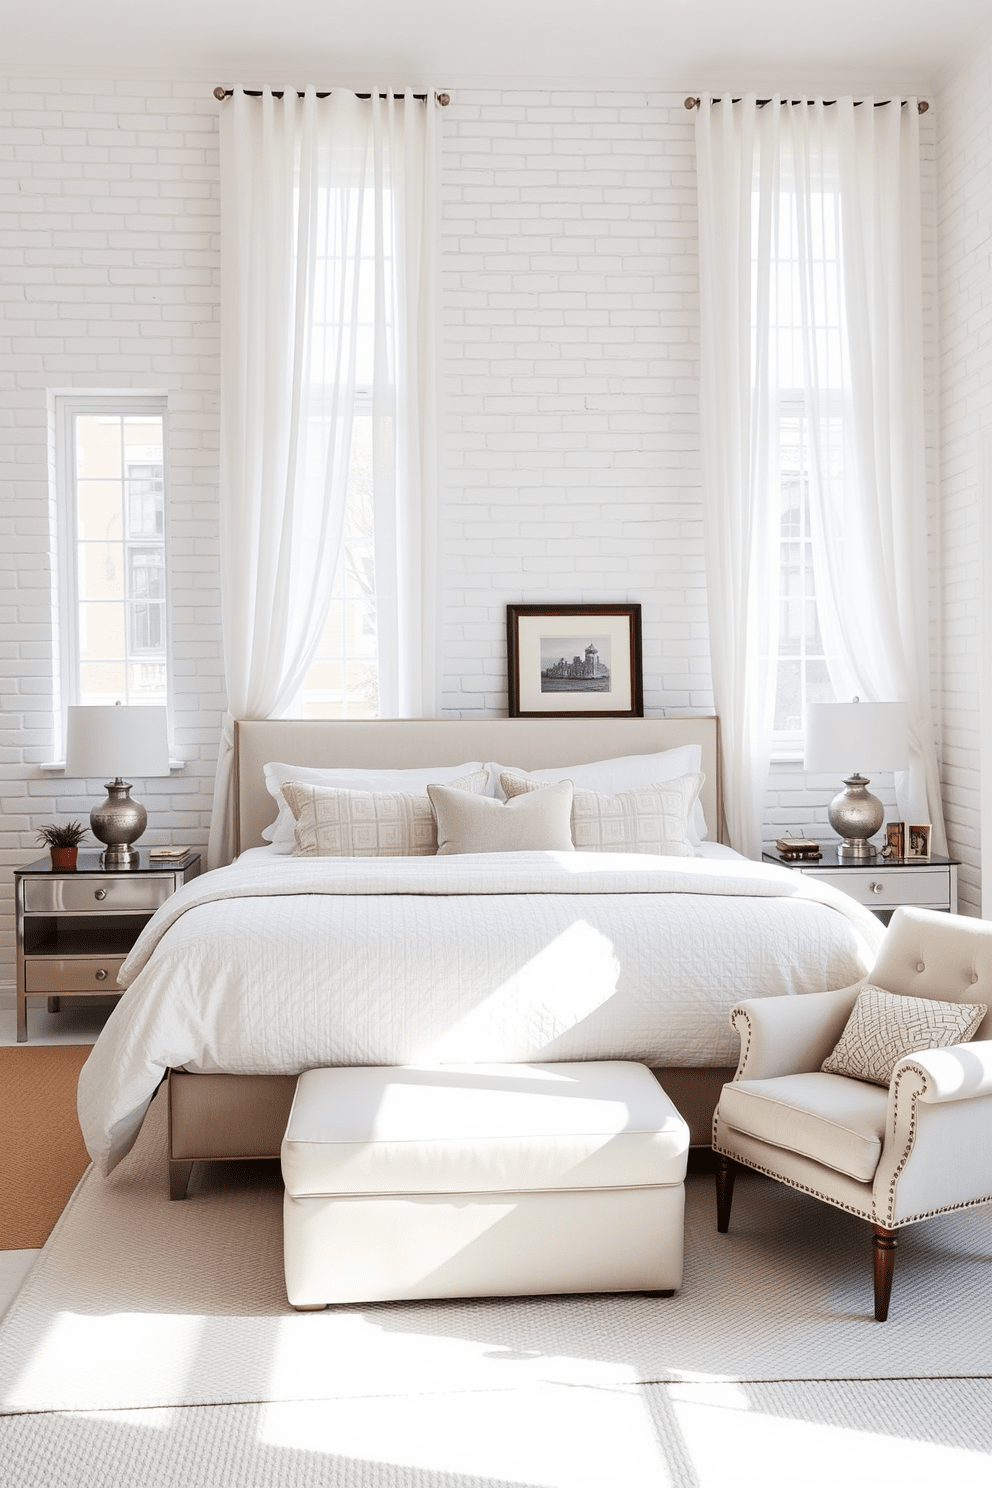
{"points": [[918, 840], [895, 839]]}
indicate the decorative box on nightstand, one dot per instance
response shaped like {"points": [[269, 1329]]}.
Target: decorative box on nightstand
{"points": [[884, 883], [76, 926]]}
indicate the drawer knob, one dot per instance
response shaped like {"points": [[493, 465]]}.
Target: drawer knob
{"points": [[101, 975], [99, 894], [877, 888]]}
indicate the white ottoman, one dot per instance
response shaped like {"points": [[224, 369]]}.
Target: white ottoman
{"points": [[482, 1180]]}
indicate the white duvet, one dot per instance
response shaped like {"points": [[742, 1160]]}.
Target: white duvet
{"points": [[276, 966]]}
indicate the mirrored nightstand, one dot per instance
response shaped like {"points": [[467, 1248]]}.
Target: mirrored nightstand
{"points": [[76, 926]]}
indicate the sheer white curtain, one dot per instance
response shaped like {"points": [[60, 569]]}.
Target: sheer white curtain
{"points": [[811, 287], [328, 264]]}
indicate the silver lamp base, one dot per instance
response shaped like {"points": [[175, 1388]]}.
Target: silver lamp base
{"points": [[119, 822], [855, 815]]}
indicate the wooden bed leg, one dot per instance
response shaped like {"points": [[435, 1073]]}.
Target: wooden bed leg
{"points": [[726, 1172], [883, 1255], [179, 1172], [310, 1306]]}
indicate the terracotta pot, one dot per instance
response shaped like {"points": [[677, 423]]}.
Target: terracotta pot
{"points": [[64, 857]]}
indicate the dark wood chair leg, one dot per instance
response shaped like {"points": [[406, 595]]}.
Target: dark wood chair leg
{"points": [[883, 1254], [726, 1172], [179, 1171]]}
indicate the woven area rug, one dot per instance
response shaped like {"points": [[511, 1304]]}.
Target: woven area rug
{"points": [[139, 1302], [914, 1433], [42, 1146]]}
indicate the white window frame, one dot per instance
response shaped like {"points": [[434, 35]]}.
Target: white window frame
{"points": [[65, 407]]}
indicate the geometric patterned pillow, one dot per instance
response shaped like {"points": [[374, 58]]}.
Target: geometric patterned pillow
{"points": [[647, 819], [366, 824], [884, 1026]]}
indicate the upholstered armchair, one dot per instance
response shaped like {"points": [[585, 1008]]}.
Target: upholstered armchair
{"points": [[896, 1154]]}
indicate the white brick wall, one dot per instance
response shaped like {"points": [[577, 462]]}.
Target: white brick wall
{"points": [[108, 278], [571, 325], [964, 202], [570, 306]]}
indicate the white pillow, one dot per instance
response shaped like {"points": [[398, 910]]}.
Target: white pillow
{"points": [[623, 774], [649, 819], [534, 822], [281, 832], [334, 823]]}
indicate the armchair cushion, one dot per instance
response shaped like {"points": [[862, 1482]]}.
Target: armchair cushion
{"points": [[884, 1027], [833, 1120]]}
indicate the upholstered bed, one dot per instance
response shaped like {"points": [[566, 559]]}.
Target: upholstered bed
{"points": [[283, 962]]}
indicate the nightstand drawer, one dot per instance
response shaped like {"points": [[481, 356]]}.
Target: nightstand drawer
{"points": [[65, 974], [95, 895], [878, 888]]}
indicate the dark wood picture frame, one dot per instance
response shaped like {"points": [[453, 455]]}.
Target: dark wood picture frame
{"points": [[540, 688]]}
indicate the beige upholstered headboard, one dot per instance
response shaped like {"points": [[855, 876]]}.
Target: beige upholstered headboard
{"points": [[397, 743]]}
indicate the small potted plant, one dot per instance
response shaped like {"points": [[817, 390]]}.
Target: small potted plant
{"points": [[63, 839]]}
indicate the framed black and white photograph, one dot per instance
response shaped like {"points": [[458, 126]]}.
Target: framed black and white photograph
{"points": [[918, 840], [574, 661]]}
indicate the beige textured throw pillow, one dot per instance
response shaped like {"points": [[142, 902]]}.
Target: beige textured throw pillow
{"points": [[649, 819], [884, 1026], [479, 824], [367, 824]]}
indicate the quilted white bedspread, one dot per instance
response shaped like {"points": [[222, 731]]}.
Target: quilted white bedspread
{"points": [[276, 966]]}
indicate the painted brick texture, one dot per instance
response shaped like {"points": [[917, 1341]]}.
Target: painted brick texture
{"points": [[964, 207], [108, 279], [570, 295]]}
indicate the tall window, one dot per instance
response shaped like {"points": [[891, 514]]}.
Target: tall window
{"points": [[343, 679], [807, 437], [112, 480]]}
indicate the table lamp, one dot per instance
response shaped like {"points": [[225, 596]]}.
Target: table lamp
{"points": [[846, 739], [117, 741]]}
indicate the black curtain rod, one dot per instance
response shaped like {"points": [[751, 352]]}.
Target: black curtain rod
{"points": [[442, 98], [921, 107]]}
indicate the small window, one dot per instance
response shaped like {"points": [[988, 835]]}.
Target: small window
{"points": [[111, 477]]}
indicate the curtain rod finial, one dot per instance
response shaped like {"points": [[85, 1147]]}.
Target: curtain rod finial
{"points": [[923, 107], [692, 103], [220, 94], [443, 99]]}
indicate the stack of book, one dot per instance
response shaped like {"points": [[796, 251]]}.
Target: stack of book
{"points": [[798, 849]]}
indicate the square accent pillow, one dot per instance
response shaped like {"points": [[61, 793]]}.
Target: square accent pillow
{"points": [[613, 776], [649, 819], [367, 824], [884, 1026], [538, 822], [282, 832]]}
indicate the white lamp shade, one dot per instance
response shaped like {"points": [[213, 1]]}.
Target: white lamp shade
{"points": [[845, 738], [102, 743]]}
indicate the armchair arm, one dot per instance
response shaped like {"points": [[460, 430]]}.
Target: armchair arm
{"points": [[936, 1152], [790, 1035], [960, 1073]]}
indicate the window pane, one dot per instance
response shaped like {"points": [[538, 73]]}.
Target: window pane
{"points": [[147, 682], [98, 446], [788, 697], [343, 680], [101, 571], [101, 632], [102, 683], [98, 509]]}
